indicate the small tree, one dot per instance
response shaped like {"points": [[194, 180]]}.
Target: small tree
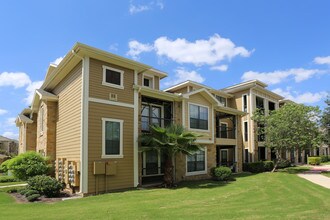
{"points": [[292, 127], [326, 122], [27, 165], [170, 140]]}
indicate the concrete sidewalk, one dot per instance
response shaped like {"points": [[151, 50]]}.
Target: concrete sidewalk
{"points": [[23, 184], [317, 179]]}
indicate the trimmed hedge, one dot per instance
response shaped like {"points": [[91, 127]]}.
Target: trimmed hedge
{"points": [[7, 179], [258, 167], [221, 173], [45, 185], [314, 160], [284, 164], [325, 158], [33, 197]]}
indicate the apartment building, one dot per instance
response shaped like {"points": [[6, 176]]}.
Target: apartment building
{"points": [[248, 97], [92, 107]]}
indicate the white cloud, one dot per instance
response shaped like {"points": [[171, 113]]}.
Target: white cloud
{"points": [[201, 52], [3, 111], [10, 121], [222, 68], [322, 60], [30, 91], [134, 9], [15, 79], [298, 74], [181, 75], [57, 60], [135, 48], [113, 47], [306, 98], [10, 135]]}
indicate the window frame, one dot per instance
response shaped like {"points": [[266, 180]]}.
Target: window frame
{"points": [[208, 117], [243, 106], [192, 173], [105, 83], [246, 131], [121, 129], [151, 80]]}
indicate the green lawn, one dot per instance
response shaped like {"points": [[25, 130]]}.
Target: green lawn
{"points": [[263, 196], [326, 174]]}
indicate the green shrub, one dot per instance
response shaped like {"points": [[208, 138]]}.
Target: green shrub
{"points": [[7, 179], [23, 191], [325, 158], [268, 165], [221, 173], [12, 190], [4, 166], [27, 165], [31, 192], [46, 185], [256, 167], [283, 164], [314, 160], [33, 197]]}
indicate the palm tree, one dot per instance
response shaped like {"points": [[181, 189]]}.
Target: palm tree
{"points": [[170, 140]]}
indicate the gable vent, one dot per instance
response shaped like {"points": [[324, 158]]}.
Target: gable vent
{"points": [[113, 97]]}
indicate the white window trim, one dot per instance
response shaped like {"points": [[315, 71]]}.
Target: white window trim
{"points": [[161, 111], [121, 86], [197, 172], [208, 118], [247, 106], [120, 155], [152, 77], [225, 123]]}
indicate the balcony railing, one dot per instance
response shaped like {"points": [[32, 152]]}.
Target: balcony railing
{"points": [[147, 121], [229, 133]]}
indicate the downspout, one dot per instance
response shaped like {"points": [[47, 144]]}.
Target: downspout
{"points": [[84, 124]]}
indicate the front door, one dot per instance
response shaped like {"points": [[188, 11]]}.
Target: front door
{"points": [[152, 166]]}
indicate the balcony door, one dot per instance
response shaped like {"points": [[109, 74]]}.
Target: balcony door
{"points": [[150, 115], [224, 157]]}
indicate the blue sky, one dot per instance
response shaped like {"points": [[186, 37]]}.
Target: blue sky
{"points": [[218, 43]]}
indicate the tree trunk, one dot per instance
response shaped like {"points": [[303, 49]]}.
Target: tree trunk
{"points": [[279, 159], [168, 172]]}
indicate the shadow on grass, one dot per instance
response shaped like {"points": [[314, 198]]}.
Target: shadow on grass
{"points": [[294, 170]]}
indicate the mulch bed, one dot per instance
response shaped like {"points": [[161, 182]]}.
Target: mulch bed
{"points": [[21, 198]]}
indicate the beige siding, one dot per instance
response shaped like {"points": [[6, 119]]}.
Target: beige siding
{"points": [[156, 82], [200, 100], [68, 125], [124, 176], [97, 90]]}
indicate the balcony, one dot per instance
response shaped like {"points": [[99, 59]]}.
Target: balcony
{"points": [[147, 121], [225, 129], [227, 133]]}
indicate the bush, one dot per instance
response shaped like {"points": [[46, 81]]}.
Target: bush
{"points": [[268, 165], [27, 165], [33, 197], [23, 191], [7, 179], [283, 164], [325, 158], [30, 192], [221, 173], [256, 167], [46, 185], [4, 166], [314, 160]]}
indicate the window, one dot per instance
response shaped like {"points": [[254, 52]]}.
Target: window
{"points": [[150, 115], [113, 77], [260, 104], [222, 100], [196, 162], [245, 103], [271, 106], [198, 117], [112, 136], [148, 81], [223, 130], [246, 131]]}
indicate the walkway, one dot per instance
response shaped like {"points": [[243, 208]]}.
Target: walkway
{"points": [[315, 176], [22, 184]]}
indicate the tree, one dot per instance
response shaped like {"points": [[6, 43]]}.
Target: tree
{"points": [[326, 122], [170, 140], [291, 127]]}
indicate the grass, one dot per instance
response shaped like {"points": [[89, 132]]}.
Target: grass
{"points": [[326, 174], [295, 170], [277, 195]]}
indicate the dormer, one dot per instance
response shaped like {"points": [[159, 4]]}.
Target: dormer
{"points": [[151, 78]]}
